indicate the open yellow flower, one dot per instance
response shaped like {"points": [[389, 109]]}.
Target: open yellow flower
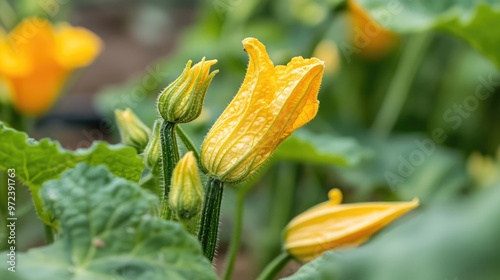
{"points": [[271, 103], [369, 37], [330, 225], [36, 58]]}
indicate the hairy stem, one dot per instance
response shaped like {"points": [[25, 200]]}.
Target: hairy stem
{"points": [[169, 157], [209, 225]]}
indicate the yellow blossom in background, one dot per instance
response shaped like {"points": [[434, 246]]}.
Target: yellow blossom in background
{"points": [[328, 52], [272, 102], [36, 58], [370, 38], [484, 170], [331, 225]]}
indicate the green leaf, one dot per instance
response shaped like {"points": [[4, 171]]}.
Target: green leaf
{"points": [[471, 20], [108, 231], [409, 166], [304, 146], [456, 240], [36, 162]]}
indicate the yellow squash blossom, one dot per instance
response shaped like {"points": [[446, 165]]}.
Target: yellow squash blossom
{"points": [[330, 225], [370, 38], [36, 58], [272, 102]]}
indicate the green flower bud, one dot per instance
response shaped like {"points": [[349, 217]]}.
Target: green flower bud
{"points": [[133, 131], [182, 100], [186, 193], [152, 152]]}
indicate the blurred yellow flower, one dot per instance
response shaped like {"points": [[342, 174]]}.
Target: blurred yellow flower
{"points": [[328, 52], [271, 103], [330, 225], [36, 58], [370, 38], [484, 170]]}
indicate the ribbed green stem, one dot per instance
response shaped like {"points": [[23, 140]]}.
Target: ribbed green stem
{"points": [[274, 267], [400, 86], [170, 158], [209, 225]]}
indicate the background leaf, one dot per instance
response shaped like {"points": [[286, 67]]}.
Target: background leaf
{"points": [[409, 166], [36, 162], [305, 146], [108, 232], [470, 20]]}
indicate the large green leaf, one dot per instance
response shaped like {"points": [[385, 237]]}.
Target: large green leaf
{"points": [[305, 146], [471, 20], [457, 240], [108, 231], [38, 161]]}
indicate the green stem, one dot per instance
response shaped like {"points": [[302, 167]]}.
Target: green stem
{"points": [[273, 268], [209, 225], [170, 158], [187, 142], [400, 86], [237, 227], [286, 177], [49, 234]]}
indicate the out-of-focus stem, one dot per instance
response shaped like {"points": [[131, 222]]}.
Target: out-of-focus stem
{"points": [[400, 86]]}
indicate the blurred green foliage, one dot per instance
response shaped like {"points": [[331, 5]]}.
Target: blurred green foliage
{"points": [[441, 106]]}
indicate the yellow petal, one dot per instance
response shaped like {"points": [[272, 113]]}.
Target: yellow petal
{"points": [[330, 225], [10, 63], [33, 40], [76, 46], [303, 77]]}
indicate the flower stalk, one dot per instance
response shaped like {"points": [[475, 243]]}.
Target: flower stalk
{"points": [[274, 267], [170, 158], [209, 225]]}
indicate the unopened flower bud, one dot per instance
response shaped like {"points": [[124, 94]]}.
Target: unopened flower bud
{"points": [[331, 225], [186, 193], [152, 151], [182, 100], [133, 131]]}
